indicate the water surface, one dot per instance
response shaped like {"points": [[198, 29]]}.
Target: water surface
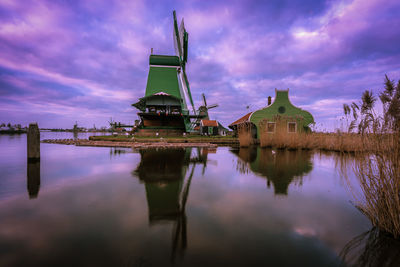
{"points": [[93, 206]]}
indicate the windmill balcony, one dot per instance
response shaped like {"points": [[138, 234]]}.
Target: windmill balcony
{"points": [[167, 110]]}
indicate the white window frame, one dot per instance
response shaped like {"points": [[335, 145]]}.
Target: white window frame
{"points": [[295, 126], [271, 122]]}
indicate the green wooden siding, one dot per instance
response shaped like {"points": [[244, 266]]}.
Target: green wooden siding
{"points": [[163, 79], [284, 108], [164, 60]]}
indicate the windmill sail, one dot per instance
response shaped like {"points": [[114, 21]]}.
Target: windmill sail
{"points": [[212, 106], [181, 49], [188, 89], [183, 35], [204, 100], [177, 41], [185, 46]]}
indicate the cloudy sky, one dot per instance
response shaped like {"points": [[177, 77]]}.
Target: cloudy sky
{"points": [[87, 61]]}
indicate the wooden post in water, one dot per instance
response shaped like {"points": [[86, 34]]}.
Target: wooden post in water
{"points": [[33, 178], [33, 141]]}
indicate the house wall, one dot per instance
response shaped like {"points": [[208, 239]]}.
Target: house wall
{"points": [[282, 108], [204, 130]]}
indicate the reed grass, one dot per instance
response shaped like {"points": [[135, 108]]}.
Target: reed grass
{"points": [[245, 134], [339, 141], [378, 170], [379, 177], [372, 248]]}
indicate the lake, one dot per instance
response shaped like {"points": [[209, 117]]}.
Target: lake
{"points": [[93, 206]]}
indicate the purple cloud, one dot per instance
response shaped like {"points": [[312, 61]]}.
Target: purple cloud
{"points": [[88, 62]]}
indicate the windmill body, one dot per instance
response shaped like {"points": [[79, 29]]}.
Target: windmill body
{"points": [[167, 107]]}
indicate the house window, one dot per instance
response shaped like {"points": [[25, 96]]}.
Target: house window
{"points": [[292, 127], [281, 109], [271, 127]]}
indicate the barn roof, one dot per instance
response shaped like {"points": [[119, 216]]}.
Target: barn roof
{"points": [[241, 120], [209, 123]]}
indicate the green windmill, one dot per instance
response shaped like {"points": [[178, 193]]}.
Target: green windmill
{"points": [[164, 108]]}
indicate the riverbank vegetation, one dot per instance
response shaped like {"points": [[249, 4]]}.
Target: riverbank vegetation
{"points": [[378, 171], [245, 134]]}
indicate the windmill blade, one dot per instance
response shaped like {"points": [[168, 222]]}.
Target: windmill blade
{"points": [[177, 39], [181, 40], [185, 46], [188, 89], [184, 36], [212, 106], [204, 100]]}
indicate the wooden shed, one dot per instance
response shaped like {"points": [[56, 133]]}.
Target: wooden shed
{"points": [[209, 127]]}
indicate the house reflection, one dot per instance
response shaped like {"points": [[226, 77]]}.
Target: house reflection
{"points": [[167, 175], [33, 179], [280, 167]]}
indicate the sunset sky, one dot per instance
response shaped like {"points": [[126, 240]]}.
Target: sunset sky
{"points": [[87, 61]]}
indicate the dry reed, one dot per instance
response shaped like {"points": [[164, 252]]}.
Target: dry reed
{"points": [[379, 177], [245, 134], [279, 137], [378, 171], [372, 248], [282, 139]]}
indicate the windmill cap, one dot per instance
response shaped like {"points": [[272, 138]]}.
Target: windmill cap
{"points": [[164, 60]]}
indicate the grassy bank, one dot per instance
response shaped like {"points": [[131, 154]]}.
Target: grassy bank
{"points": [[338, 142], [222, 140]]}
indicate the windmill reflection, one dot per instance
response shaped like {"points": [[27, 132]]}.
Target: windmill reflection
{"points": [[116, 151], [167, 175], [33, 179], [280, 167]]}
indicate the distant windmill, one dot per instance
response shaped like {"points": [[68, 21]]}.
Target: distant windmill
{"points": [[112, 125], [203, 110]]}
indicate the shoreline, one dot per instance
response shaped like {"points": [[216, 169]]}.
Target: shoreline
{"points": [[227, 141], [127, 144]]}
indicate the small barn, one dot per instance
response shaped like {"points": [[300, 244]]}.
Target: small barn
{"points": [[209, 127]]}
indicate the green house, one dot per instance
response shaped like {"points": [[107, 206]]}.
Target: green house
{"points": [[283, 115]]}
